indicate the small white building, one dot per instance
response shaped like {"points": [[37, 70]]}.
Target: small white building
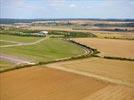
{"points": [[43, 33]]}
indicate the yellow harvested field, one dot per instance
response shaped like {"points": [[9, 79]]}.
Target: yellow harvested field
{"points": [[116, 71], [109, 34], [46, 84], [110, 47], [39, 83], [112, 93]]}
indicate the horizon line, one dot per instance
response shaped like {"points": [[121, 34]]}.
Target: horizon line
{"points": [[72, 18]]}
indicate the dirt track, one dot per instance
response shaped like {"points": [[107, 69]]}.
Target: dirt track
{"points": [[14, 59], [38, 83]]}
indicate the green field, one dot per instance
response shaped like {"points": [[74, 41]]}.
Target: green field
{"points": [[5, 43], [18, 38], [5, 65], [47, 50]]}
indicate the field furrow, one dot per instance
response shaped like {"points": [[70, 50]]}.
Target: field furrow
{"points": [[38, 83], [112, 92]]}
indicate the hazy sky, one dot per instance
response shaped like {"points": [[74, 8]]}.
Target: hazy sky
{"points": [[67, 8]]}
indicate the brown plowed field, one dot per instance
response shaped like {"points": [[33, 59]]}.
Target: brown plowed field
{"points": [[46, 84], [112, 93], [110, 47], [116, 71], [39, 83]]}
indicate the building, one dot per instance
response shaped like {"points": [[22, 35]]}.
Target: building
{"points": [[43, 33]]}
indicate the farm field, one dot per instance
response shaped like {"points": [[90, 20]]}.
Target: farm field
{"points": [[15, 38], [99, 33], [93, 78], [116, 35], [115, 71], [66, 50], [37, 83], [5, 43], [46, 50], [110, 47], [5, 65]]}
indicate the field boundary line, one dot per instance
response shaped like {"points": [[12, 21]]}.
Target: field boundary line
{"points": [[104, 57], [118, 58], [98, 77]]}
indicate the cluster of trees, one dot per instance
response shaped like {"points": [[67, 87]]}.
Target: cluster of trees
{"points": [[72, 34], [116, 25], [19, 32]]}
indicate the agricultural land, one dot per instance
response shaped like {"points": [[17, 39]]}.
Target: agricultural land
{"points": [[76, 59]]}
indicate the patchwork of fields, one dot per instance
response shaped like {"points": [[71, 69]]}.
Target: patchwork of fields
{"points": [[115, 71], [39, 83], [92, 78]]}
